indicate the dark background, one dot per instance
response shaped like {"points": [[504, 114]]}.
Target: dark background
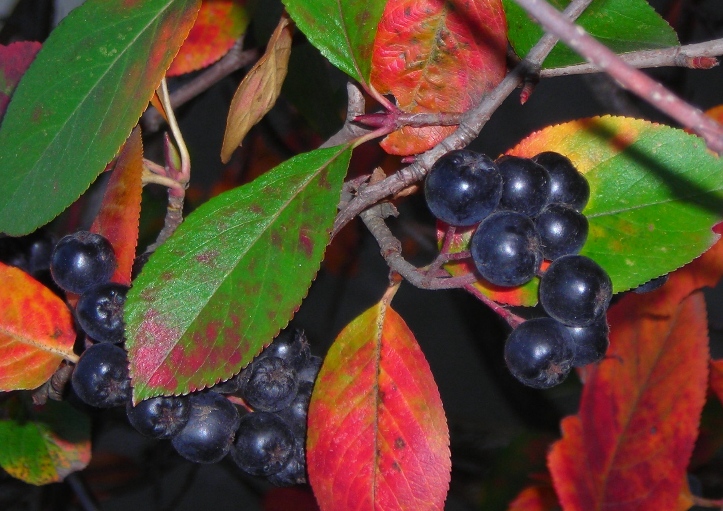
{"points": [[500, 429]]}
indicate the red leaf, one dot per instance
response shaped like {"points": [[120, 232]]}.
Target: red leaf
{"points": [[437, 56], [15, 59], [121, 208], [218, 25], [284, 499], [36, 331], [535, 498], [378, 437], [629, 446], [716, 378]]}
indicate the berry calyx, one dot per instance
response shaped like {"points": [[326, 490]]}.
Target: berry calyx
{"points": [[539, 353], [525, 185], [264, 444], [505, 249], [82, 260], [100, 312], [101, 378], [271, 386], [160, 417], [575, 290], [463, 187]]}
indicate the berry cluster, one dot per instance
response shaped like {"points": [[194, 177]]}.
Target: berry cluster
{"points": [[528, 210]]}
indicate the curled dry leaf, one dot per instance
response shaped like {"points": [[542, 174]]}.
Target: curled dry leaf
{"points": [[259, 89]]}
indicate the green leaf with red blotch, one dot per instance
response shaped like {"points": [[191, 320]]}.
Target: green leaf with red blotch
{"points": [[378, 437], [655, 194], [42, 444], [342, 30], [14, 61], [535, 498], [36, 331], [622, 25], [630, 444], [437, 56], [213, 295], [218, 25], [120, 210], [79, 100]]}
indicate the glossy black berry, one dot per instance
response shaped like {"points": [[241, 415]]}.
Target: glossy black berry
{"points": [[589, 342], [264, 444], [82, 260], [311, 370], [295, 415], [271, 386], [567, 185], [159, 417], [463, 187], [209, 433], [101, 378], [100, 312], [562, 229], [505, 249], [651, 285], [525, 185], [294, 472], [575, 290], [290, 346], [539, 353], [39, 249]]}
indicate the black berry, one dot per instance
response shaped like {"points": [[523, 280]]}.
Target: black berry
{"points": [[101, 378], [159, 417], [271, 386], [463, 187], [290, 346], [208, 435], [264, 444], [567, 185], [526, 185], [82, 260], [539, 353], [311, 370], [294, 472], [562, 230], [296, 413], [651, 285], [100, 312], [589, 342], [505, 249], [575, 290]]}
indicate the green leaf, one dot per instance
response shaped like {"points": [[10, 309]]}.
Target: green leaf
{"points": [[231, 276], [656, 192], [343, 30], [79, 100], [42, 444], [621, 25]]}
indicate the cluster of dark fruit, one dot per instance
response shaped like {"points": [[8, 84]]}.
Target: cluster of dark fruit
{"points": [[529, 210], [203, 426]]}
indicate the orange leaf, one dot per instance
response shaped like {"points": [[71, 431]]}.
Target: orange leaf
{"points": [[535, 498], [629, 446], [121, 208], [218, 25], [378, 437], [36, 331], [259, 89], [437, 56]]}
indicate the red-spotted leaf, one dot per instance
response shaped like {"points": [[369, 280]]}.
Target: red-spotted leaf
{"points": [[36, 331], [213, 295], [121, 208], [629, 446], [42, 444], [259, 89], [535, 498], [342, 30], [378, 437], [14, 61], [656, 192], [79, 100], [218, 25], [437, 56]]}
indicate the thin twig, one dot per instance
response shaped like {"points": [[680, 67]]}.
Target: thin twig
{"points": [[235, 59], [693, 56], [630, 78]]}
